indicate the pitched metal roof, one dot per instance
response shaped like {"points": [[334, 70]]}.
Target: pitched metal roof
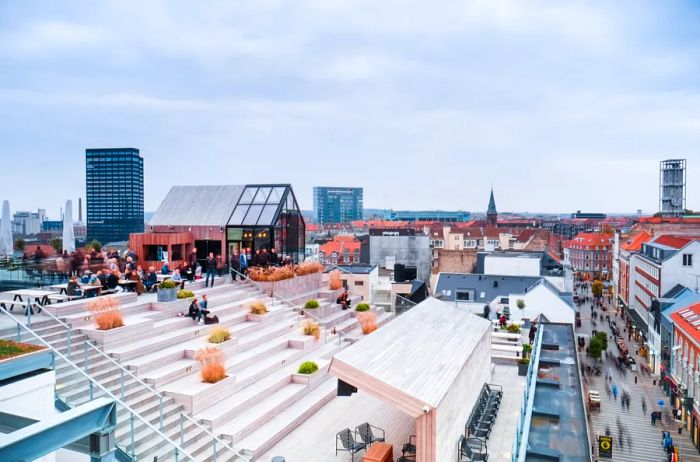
{"points": [[197, 205], [448, 284]]}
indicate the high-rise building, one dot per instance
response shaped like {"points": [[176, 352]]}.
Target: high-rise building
{"points": [[672, 187], [114, 193], [337, 205]]}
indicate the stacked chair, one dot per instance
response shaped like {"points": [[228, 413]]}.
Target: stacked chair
{"points": [[472, 445]]}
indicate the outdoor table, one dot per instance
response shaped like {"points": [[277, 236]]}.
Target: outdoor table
{"points": [[87, 288], [63, 288], [127, 284], [163, 277], [40, 297], [379, 452]]}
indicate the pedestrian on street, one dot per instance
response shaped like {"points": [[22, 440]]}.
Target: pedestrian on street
{"points": [[653, 418], [644, 405], [614, 391]]}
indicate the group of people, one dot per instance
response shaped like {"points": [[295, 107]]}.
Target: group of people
{"points": [[199, 312]]}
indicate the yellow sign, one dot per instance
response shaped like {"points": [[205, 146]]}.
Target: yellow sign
{"points": [[605, 446]]}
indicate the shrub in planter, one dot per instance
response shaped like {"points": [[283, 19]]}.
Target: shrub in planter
{"points": [[312, 328], [219, 334], [513, 328], [212, 361], [258, 308], [362, 307], [311, 305], [335, 281], [106, 312], [8, 348], [167, 284], [184, 294], [271, 274], [308, 367], [368, 322], [520, 303]]}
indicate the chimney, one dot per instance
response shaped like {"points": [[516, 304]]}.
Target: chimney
{"points": [[80, 209]]}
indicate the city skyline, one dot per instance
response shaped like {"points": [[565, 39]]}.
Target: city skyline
{"points": [[555, 106]]}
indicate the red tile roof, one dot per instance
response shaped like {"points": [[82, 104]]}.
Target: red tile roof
{"points": [[688, 321], [635, 242], [676, 242], [669, 220], [589, 239], [339, 246]]}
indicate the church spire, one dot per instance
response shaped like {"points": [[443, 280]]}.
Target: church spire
{"points": [[491, 214]]}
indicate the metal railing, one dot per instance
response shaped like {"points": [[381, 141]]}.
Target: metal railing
{"points": [[124, 371], [298, 309], [178, 451], [522, 432]]}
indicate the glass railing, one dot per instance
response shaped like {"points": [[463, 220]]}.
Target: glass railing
{"points": [[136, 436], [219, 447], [520, 443]]}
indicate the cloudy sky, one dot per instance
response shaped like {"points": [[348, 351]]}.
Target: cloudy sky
{"points": [[424, 104]]}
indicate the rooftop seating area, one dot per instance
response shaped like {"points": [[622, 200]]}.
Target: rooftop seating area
{"points": [[262, 397]]}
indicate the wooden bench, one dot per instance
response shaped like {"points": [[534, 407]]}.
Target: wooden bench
{"points": [[27, 304], [379, 452], [58, 298]]}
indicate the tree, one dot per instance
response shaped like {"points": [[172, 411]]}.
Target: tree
{"points": [[603, 338], [597, 288], [95, 244], [57, 244], [595, 348], [19, 244], [520, 303]]}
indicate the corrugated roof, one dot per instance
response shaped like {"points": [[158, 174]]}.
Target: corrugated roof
{"points": [[197, 205]]}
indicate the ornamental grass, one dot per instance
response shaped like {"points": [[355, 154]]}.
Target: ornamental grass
{"points": [[258, 308], [335, 280], [368, 321], [106, 312], [212, 361], [312, 328]]}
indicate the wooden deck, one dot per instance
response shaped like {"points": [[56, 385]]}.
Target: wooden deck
{"points": [[314, 440]]}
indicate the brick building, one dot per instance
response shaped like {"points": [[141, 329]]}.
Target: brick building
{"points": [[590, 254]]}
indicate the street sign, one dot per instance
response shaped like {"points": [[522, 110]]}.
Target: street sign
{"points": [[605, 447]]}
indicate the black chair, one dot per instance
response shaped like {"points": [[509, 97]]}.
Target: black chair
{"points": [[365, 432], [473, 450], [409, 448], [348, 443]]}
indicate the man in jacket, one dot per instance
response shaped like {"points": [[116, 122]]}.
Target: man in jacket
{"points": [[192, 259], [235, 266], [211, 269], [243, 262]]}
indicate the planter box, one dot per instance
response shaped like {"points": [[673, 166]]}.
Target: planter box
{"points": [[167, 295], [179, 304], [256, 317], [26, 363], [522, 369], [109, 338], [293, 287], [308, 379], [199, 395]]}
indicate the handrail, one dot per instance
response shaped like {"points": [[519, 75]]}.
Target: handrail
{"points": [[294, 305], [236, 452], [99, 385], [151, 389]]}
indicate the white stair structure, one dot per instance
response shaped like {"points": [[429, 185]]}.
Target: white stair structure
{"points": [[152, 369]]}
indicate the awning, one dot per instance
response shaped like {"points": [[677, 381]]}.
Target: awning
{"points": [[638, 320]]}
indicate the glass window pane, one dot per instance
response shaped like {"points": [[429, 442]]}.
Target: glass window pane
{"points": [[248, 195], [275, 195], [267, 215], [261, 197], [253, 213], [238, 215]]}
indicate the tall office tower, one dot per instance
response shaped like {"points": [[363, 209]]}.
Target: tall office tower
{"points": [[114, 193], [337, 205], [672, 179]]}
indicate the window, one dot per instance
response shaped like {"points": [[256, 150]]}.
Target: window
{"points": [[462, 296], [359, 283], [687, 259]]}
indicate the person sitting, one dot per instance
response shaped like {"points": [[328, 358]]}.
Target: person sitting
{"points": [[94, 282], [86, 277], [138, 287], [344, 300], [111, 280], [187, 271], [73, 289], [198, 272], [203, 311], [150, 279], [165, 269], [193, 311], [177, 277]]}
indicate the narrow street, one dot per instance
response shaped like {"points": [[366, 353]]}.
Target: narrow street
{"points": [[635, 439]]}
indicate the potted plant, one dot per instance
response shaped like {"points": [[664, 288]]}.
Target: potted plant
{"points": [[311, 305], [524, 361], [362, 307], [212, 362], [181, 294], [167, 291], [219, 334], [308, 367]]}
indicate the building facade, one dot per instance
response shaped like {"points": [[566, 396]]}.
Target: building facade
{"points": [[685, 368], [403, 246], [28, 223], [337, 205], [114, 193], [590, 254], [672, 178], [427, 215]]}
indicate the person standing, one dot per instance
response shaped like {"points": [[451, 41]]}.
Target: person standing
{"points": [[235, 266], [192, 258], [273, 258], [243, 262], [211, 270]]}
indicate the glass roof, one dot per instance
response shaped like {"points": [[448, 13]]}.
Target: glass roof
{"points": [[258, 205]]}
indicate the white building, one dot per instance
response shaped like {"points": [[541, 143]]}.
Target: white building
{"points": [[28, 223], [661, 264]]}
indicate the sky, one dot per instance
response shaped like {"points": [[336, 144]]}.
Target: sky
{"points": [[560, 106]]}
